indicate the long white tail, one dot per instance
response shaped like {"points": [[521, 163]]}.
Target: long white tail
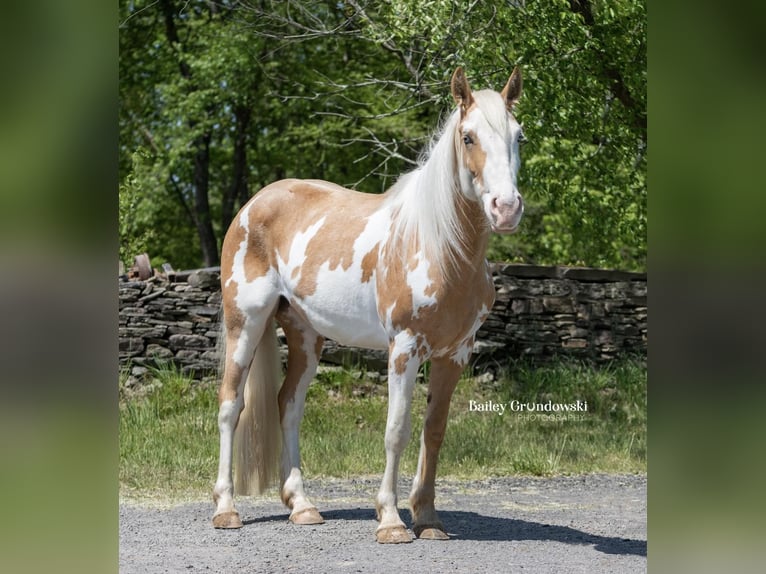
{"points": [[257, 438]]}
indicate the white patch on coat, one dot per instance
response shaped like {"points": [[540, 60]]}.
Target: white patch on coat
{"points": [[342, 307], [297, 254], [419, 281], [228, 414], [237, 271]]}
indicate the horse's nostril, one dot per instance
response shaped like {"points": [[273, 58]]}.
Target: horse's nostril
{"points": [[493, 204]]}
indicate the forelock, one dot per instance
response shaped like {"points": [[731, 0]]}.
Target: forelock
{"points": [[492, 107]]}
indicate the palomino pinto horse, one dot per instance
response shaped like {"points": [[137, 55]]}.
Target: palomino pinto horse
{"points": [[404, 271]]}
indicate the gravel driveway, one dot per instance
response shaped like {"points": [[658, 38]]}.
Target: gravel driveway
{"points": [[593, 523]]}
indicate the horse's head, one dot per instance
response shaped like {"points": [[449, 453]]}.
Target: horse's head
{"points": [[487, 138]]}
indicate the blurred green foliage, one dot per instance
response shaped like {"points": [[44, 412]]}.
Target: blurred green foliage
{"points": [[220, 99]]}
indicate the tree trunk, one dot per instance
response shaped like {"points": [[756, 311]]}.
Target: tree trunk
{"points": [[239, 189], [611, 74], [203, 220], [200, 182]]}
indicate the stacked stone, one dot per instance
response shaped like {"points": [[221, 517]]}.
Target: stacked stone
{"points": [[540, 313], [171, 320]]}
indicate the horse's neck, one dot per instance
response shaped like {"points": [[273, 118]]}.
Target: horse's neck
{"points": [[471, 221], [472, 226]]}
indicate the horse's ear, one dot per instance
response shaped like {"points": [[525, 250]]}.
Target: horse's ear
{"points": [[461, 91], [512, 90]]}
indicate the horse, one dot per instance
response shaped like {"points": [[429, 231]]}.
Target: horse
{"points": [[404, 270]]}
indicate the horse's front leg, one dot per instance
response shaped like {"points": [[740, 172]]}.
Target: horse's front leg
{"points": [[403, 364], [445, 374]]}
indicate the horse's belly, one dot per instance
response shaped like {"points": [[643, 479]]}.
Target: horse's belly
{"points": [[343, 307]]}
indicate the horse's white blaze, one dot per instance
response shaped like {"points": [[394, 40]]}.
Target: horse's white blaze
{"points": [[496, 185], [498, 179]]}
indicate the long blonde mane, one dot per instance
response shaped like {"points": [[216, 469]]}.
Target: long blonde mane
{"points": [[423, 201]]}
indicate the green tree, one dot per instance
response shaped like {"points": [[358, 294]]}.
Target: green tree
{"points": [[584, 110], [226, 97]]}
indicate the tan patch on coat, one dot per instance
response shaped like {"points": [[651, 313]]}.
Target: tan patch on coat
{"points": [[422, 347], [290, 207], [233, 318], [400, 363], [259, 256], [333, 245], [232, 243], [369, 263], [234, 322], [474, 156], [296, 332]]}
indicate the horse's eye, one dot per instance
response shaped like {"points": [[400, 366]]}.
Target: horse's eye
{"points": [[522, 138], [467, 140]]}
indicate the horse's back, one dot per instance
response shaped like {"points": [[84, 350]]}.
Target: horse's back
{"points": [[320, 241], [284, 209]]}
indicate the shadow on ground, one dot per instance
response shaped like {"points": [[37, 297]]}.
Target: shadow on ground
{"points": [[473, 526]]}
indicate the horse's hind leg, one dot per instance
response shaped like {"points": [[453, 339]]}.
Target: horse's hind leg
{"points": [[230, 405], [444, 377], [304, 349], [241, 337]]}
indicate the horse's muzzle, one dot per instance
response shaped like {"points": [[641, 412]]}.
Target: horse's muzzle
{"points": [[506, 216]]}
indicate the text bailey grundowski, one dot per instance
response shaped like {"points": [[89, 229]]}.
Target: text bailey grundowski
{"points": [[518, 406]]}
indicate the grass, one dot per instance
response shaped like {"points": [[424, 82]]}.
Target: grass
{"points": [[169, 435]]}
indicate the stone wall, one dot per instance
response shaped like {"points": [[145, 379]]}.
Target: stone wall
{"points": [[540, 312], [171, 318], [545, 312]]}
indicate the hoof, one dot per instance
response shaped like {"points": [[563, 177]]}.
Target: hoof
{"points": [[393, 535], [227, 520], [430, 533], [307, 516]]}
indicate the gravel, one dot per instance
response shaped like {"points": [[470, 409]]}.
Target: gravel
{"points": [[591, 523]]}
